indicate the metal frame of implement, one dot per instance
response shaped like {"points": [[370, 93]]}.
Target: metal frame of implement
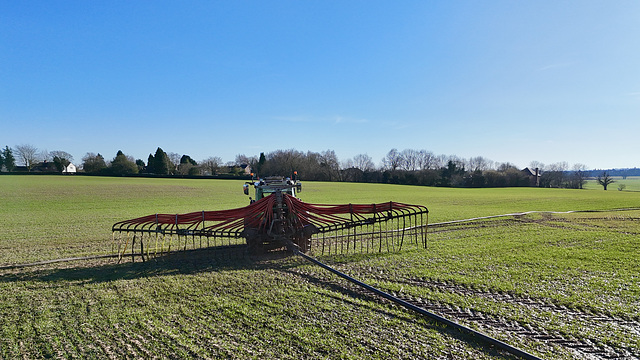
{"points": [[327, 228]]}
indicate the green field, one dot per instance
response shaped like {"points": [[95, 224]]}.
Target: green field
{"points": [[527, 280], [631, 183]]}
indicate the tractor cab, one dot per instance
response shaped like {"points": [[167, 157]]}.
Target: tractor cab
{"points": [[269, 185]]}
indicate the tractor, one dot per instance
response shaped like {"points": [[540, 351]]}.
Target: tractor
{"points": [[278, 230], [271, 185]]}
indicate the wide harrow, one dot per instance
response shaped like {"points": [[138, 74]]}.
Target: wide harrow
{"points": [[278, 221]]}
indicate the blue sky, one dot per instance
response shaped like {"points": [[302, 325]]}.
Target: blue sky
{"points": [[512, 81]]}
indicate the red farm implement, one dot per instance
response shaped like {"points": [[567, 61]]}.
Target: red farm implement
{"points": [[277, 220]]}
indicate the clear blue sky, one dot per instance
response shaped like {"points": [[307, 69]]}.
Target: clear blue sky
{"points": [[512, 81]]}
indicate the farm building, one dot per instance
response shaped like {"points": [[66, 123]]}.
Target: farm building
{"points": [[533, 175]]}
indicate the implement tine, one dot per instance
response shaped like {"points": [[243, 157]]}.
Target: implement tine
{"points": [[376, 227]]}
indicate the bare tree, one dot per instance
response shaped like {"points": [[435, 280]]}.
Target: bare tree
{"points": [[578, 177], [393, 160], [27, 155], [44, 156], [283, 162], [175, 160], [427, 160], [502, 167], [458, 161], [330, 165], [553, 176], [605, 179], [410, 159], [559, 166], [363, 162], [441, 161], [536, 165], [244, 159], [211, 164], [61, 154], [479, 163]]}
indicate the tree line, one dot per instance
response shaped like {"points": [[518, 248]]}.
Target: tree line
{"points": [[409, 167], [28, 158]]}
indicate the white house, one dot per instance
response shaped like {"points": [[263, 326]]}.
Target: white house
{"points": [[69, 169]]}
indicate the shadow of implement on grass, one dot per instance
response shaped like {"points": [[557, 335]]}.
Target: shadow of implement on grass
{"points": [[173, 263]]}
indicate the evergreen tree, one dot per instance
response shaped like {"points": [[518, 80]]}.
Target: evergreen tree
{"points": [[122, 165], [161, 163], [59, 163], [188, 166], [150, 164], [186, 159], [9, 160], [140, 165], [261, 161]]}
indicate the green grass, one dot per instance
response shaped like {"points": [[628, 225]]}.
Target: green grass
{"points": [[210, 304], [50, 217], [631, 183], [453, 203]]}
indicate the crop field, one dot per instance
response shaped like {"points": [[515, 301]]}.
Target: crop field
{"points": [[557, 285], [631, 183]]}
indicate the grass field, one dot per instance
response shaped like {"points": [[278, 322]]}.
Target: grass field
{"points": [[631, 183], [524, 279]]}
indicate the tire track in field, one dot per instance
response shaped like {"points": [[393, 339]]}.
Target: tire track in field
{"points": [[582, 348], [522, 219], [597, 323], [347, 288], [490, 324]]}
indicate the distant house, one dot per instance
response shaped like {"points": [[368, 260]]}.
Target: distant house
{"points": [[533, 175], [50, 167], [44, 167], [246, 168], [69, 169], [242, 169]]}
